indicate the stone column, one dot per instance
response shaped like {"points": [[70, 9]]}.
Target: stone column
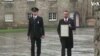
{"points": [[97, 36]]}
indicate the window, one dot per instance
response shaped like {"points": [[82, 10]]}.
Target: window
{"points": [[8, 0], [8, 5], [8, 17], [52, 16], [31, 3], [29, 15], [30, 0]]}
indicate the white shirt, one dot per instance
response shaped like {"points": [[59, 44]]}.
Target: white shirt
{"points": [[35, 17], [65, 19]]}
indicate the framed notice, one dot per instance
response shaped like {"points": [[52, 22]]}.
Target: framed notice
{"points": [[64, 30]]}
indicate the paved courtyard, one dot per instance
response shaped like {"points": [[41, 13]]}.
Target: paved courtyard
{"points": [[16, 44]]}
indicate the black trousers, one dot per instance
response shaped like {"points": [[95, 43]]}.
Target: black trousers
{"points": [[36, 41], [63, 50]]}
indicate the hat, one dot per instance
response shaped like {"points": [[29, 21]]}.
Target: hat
{"points": [[34, 9]]}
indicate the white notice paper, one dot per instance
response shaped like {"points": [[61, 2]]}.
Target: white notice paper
{"points": [[64, 30]]}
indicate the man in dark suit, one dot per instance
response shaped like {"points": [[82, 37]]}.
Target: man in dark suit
{"points": [[66, 42], [35, 31]]}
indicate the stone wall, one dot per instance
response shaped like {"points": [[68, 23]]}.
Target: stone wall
{"points": [[20, 9]]}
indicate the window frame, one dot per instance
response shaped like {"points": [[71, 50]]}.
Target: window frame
{"points": [[53, 17], [6, 17]]}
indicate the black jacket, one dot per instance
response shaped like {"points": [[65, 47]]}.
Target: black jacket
{"points": [[67, 41], [36, 27]]}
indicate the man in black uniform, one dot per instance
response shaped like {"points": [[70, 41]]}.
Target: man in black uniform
{"points": [[35, 31], [66, 42]]}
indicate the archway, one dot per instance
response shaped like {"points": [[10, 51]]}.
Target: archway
{"points": [[76, 17]]}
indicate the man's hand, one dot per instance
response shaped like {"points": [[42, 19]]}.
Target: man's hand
{"points": [[43, 37], [70, 25]]}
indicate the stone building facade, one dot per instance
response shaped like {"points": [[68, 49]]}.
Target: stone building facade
{"points": [[14, 13]]}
